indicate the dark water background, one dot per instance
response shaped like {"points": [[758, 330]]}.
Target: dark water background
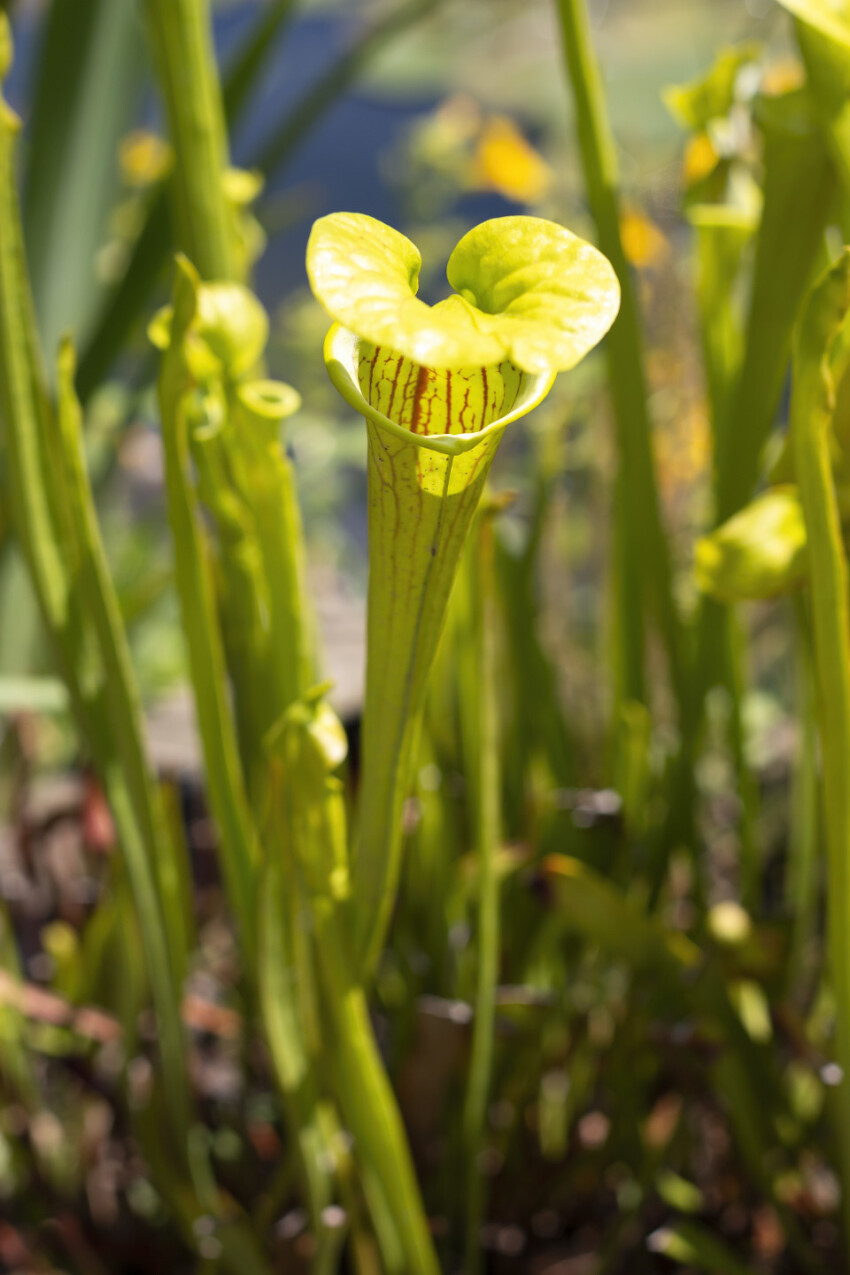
{"points": [[338, 164]]}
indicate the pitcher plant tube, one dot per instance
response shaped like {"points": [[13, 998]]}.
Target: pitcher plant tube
{"points": [[437, 386]]}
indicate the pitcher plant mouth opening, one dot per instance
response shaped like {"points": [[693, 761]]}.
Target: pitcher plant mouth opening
{"points": [[408, 399]]}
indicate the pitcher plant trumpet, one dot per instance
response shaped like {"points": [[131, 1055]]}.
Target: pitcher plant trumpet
{"points": [[437, 386]]}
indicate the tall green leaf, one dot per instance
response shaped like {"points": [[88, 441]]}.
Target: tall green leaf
{"points": [[812, 407], [88, 88]]}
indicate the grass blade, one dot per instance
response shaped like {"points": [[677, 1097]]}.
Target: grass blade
{"points": [[643, 558], [54, 546], [479, 721], [89, 84], [799, 189], [97, 596], [295, 1069], [193, 575]]}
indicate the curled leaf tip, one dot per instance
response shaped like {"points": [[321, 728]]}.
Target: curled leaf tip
{"points": [[186, 270], [230, 320], [234, 324], [311, 730], [272, 401], [243, 185]]}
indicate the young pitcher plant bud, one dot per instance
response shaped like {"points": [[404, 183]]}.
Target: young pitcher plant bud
{"points": [[760, 552], [437, 385]]}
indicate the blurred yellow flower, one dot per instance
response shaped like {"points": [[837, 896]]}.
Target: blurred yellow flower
{"points": [[643, 243], [144, 158], [701, 158], [242, 186], [506, 162], [782, 76]]}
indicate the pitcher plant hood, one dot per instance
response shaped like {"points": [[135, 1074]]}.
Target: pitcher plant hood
{"points": [[525, 289], [530, 300]]}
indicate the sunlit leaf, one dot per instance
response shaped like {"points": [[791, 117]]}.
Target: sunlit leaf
{"points": [[527, 290], [830, 17], [679, 1193], [823, 33]]}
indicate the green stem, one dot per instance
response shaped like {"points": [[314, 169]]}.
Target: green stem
{"points": [[257, 903], [644, 559], [421, 505], [154, 938], [242, 597], [799, 191], [812, 406], [182, 33], [802, 876], [480, 684], [747, 784], [98, 592], [295, 1069], [266, 479], [365, 1096], [206, 658]]}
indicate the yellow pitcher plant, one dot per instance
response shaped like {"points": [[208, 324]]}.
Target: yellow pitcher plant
{"points": [[437, 385]]}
